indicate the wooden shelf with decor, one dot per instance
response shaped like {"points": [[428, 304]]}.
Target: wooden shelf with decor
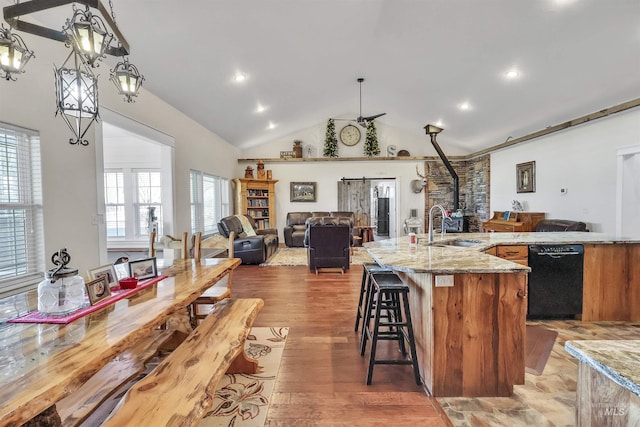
{"points": [[516, 222], [257, 198]]}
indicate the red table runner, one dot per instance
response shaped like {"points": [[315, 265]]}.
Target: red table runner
{"points": [[38, 317]]}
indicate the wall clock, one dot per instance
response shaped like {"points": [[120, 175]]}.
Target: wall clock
{"points": [[350, 135]]}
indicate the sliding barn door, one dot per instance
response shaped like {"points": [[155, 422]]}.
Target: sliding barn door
{"points": [[355, 196]]}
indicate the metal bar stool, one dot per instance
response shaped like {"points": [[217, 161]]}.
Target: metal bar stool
{"points": [[367, 270], [392, 295]]}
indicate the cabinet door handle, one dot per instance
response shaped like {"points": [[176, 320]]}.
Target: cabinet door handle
{"points": [[522, 293]]}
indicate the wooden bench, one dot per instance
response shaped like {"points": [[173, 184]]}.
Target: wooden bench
{"points": [[114, 376], [181, 389]]}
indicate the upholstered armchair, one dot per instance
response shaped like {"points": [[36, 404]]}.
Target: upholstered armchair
{"points": [[251, 245], [328, 241], [296, 227]]}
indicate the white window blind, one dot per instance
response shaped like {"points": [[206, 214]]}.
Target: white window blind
{"points": [[209, 201], [21, 231]]}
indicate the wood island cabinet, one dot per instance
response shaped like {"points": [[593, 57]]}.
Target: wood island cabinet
{"points": [[517, 222], [257, 198], [519, 254]]}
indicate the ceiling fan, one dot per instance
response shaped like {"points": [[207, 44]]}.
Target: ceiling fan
{"points": [[363, 120]]}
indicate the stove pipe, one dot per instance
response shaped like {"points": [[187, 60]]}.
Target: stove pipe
{"points": [[456, 199]]}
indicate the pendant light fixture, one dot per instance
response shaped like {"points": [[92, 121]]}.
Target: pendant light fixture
{"points": [[77, 96], [14, 54], [89, 34], [91, 38], [127, 79]]}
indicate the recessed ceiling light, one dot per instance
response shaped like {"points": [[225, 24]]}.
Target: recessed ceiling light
{"points": [[239, 77], [512, 74], [439, 123], [260, 108], [271, 125], [464, 106]]}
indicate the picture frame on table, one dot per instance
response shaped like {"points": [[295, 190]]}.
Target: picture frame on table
{"points": [[98, 289], [107, 271], [121, 267], [143, 268], [302, 192], [526, 177]]}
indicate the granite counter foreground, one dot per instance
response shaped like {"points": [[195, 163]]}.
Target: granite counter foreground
{"points": [[608, 388], [618, 360]]}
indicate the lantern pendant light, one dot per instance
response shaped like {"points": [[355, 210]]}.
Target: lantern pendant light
{"points": [[127, 79], [77, 96], [14, 54], [88, 34]]}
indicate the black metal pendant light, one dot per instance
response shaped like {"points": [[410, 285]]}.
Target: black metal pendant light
{"points": [[14, 54], [91, 38]]}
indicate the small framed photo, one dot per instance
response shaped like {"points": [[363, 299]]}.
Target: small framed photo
{"points": [[303, 192], [526, 177], [143, 268], [98, 289], [107, 271]]}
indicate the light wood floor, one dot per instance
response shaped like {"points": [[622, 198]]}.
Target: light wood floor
{"points": [[322, 376]]}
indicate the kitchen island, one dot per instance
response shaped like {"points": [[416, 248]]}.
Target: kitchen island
{"points": [[469, 306]]}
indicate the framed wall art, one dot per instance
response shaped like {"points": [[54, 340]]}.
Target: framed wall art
{"points": [[303, 192], [143, 268], [98, 289], [526, 177]]}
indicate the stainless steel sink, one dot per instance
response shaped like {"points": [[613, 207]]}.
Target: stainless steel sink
{"points": [[457, 243]]}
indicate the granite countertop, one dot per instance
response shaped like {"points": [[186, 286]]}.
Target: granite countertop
{"points": [[619, 360], [426, 258]]}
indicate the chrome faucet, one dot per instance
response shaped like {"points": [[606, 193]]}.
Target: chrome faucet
{"points": [[444, 215]]}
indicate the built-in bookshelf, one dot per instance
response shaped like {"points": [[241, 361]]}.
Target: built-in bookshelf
{"points": [[256, 198]]}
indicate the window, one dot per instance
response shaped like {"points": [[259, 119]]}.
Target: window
{"points": [[209, 202], [148, 201], [130, 196], [114, 204], [21, 230]]}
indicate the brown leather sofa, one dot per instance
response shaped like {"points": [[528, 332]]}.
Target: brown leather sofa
{"points": [[560, 225], [295, 228], [251, 249], [328, 241]]}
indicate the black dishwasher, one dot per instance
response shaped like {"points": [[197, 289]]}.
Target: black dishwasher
{"points": [[555, 281]]}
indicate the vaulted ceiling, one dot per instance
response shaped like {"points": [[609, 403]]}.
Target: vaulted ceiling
{"points": [[421, 60]]}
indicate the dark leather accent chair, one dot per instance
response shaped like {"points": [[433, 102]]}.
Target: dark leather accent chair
{"points": [[560, 225], [296, 226], [328, 241], [251, 249]]}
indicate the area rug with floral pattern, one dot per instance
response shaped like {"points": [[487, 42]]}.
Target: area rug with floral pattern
{"points": [[242, 400], [298, 256]]}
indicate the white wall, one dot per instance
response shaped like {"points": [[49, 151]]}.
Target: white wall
{"points": [[581, 159], [327, 175], [69, 172]]}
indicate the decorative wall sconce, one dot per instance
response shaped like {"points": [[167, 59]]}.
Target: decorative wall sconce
{"points": [[14, 54], [91, 40]]}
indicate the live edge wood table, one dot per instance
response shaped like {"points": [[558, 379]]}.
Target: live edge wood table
{"points": [[49, 361], [468, 307]]}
